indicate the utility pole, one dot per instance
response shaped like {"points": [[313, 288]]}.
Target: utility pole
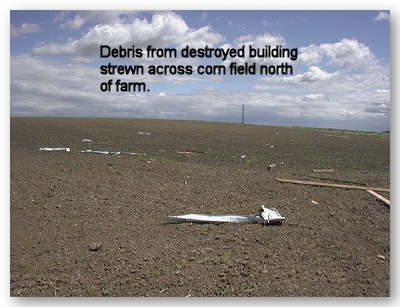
{"points": [[242, 113]]}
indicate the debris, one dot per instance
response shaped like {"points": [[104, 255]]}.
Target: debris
{"points": [[95, 151], [270, 216], [145, 133], [242, 157], [330, 179], [332, 185], [86, 140], [112, 152], [381, 257], [270, 166], [94, 247], [55, 149], [323, 170], [132, 153], [191, 152], [314, 202], [380, 197]]}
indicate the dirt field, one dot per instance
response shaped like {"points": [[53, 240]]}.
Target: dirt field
{"points": [[85, 224]]}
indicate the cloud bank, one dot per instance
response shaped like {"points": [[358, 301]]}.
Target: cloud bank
{"points": [[340, 84]]}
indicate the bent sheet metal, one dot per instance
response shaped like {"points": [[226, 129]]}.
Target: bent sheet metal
{"points": [[265, 215]]}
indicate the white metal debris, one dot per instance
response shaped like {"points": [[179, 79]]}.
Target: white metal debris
{"points": [[145, 133], [96, 151], [112, 152], [86, 140], [265, 215], [55, 149]]}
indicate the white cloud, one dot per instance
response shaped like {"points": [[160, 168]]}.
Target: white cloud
{"points": [[382, 16], [74, 24], [355, 85], [164, 29], [313, 97], [104, 17], [261, 40], [25, 28], [314, 74], [347, 53], [41, 88]]}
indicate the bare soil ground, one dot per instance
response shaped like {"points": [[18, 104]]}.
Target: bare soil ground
{"points": [[85, 224]]}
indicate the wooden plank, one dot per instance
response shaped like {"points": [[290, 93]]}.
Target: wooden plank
{"points": [[345, 186], [331, 179], [379, 196]]}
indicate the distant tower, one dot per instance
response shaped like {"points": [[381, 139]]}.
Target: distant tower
{"points": [[242, 113]]}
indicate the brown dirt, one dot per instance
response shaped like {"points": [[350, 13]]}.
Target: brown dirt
{"points": [[94, 225]]}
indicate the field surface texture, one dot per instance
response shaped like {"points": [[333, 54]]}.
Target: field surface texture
{"points": [[87, 224]]}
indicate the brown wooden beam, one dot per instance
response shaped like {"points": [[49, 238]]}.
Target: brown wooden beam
{"points": [[333, 185]]}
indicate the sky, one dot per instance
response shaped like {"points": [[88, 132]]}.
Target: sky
{"points": [[340, 78]]}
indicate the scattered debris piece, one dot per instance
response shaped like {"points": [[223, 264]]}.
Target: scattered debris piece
{"points": [[330, 179], [191, 152], [323, 170], [86, 140], [314, 202], [55, 149], [386, 201], [113, 152], [242, 157], [381, 257], [132, 153], [145, 133], [270, 166], [95, 246], [266, 215], [332, 185], [95, 151]]}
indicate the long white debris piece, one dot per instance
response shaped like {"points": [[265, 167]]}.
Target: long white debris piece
{"points": [[266, 215], [112, 152], [55, 149]]}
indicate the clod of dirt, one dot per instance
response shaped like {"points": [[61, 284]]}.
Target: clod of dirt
{"points": [[94, 247]]}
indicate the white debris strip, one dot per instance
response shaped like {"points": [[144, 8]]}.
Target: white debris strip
{"points": [[112, 152], [55, 149], [266, 215], [86, 140]]}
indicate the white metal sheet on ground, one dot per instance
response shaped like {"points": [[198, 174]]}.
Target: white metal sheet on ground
{"points": [[265, 215], [203, 218]]}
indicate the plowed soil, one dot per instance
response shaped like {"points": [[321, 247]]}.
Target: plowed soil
{"points": [[85, 224]]}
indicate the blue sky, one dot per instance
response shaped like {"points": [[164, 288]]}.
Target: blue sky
{"points": [[341, 77]]}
